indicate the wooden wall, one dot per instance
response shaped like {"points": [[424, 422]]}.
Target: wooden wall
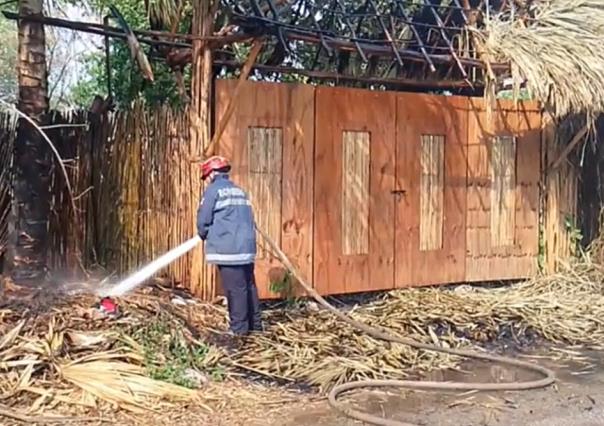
{"points": [[270, 140], [504, 157], [353, 208], [369, 190]]}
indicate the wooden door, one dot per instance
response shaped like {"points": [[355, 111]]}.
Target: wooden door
{"points": [[504, 149], [269, 140], [354, 177], [431, 189]]}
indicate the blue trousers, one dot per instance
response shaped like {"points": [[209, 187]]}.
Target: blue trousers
{"points": [[241, 292]]}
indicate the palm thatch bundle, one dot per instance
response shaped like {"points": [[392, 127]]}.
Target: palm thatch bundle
{"points": [[556, 48]]}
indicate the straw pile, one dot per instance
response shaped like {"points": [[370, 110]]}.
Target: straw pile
{"points": [[314, 348], [556, 48], [55, 351]]}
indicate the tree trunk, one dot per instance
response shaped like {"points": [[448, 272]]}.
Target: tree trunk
{"points": [[31, 203]]}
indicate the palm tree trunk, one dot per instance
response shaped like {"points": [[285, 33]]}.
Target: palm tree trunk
{"points": [[31, 203]]}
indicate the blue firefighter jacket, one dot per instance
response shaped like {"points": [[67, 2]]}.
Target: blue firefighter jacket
{"points": [[225, 221]]}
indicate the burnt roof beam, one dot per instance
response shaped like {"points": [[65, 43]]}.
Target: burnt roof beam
{"points": [[387, 33], [347, 23], [422, 47], [380, 50], [443, 34], [463, 12], [330, 20], [328, 49]]}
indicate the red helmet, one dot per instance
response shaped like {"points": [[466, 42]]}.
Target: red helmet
{"points": [[215, 162]]}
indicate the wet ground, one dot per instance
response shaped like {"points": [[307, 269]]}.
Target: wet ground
{"points": [[577, 399]]}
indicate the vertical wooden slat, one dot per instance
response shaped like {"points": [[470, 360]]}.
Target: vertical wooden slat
{"points": [[503, 224], [431, 169], [265, 154], [338, 110], [290, 108], [503, 190], [432, 192], [355, 192]]}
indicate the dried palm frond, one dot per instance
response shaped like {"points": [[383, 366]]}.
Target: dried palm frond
{"points": [[558, 52], [121, 383]]}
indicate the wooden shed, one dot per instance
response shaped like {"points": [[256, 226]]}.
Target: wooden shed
{"points": [[379, 163], [376, 190]]}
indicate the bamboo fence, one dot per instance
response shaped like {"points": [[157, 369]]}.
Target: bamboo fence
{"points": [[145, 199], [134, 191]]}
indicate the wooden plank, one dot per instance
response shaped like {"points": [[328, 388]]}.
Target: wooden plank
{"points": [[338, 110], [560, 197], [432, 192], [528, 182], [265, 153], [355, 193], [503, 190], [420, 115], [289, 108], [486, 258]]}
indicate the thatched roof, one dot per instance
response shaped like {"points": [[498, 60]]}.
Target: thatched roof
{"points": [[558, 51]]}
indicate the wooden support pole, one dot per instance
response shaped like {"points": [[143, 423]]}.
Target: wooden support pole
{"points": [[568, 149], [245, 72]]}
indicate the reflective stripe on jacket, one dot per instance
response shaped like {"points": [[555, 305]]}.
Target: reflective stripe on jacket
{"points": [[225, 221]]}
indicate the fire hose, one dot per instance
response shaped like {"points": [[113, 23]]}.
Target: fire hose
{"points": [[549, 376]]}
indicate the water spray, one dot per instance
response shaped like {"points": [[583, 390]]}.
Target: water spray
{"points": [[148, 271]]}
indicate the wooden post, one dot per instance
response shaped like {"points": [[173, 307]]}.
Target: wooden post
{"points": [[245, 72], [560, 195], [201, 277], [31, 203]]}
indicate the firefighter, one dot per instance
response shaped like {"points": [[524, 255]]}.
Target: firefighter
{"points": [[225, 221]]}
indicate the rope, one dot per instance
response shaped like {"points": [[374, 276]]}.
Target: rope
{"points": [[547, 379]]}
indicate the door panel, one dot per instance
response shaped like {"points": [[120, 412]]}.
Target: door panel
{"points": [[504, 149], [431, 189], [354, 177], [269, 140]]}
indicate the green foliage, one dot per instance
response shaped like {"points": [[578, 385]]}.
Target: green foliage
{"points": [[127, 81], [284, 287], [168, 355], [574, 234], [523, 95]]}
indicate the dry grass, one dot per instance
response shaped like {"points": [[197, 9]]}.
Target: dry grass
{"points": [[559, 52], [66, 354], [59, 355], [313, 347], [70, 354]]}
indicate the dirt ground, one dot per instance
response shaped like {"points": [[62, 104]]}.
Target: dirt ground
{"points": [[577, 399]]}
